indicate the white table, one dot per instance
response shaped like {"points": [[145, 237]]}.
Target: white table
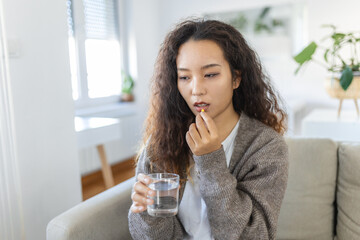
{"points": [[95, 131], [325, 123]]}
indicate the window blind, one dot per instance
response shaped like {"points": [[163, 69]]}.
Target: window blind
{"points": [[70, 18], [100, 19]]}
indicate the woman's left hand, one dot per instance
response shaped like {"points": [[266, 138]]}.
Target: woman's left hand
{"points": [[203, 136]]}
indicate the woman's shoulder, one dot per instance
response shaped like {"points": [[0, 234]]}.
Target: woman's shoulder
{"points": [[144, 163], [255, 133], [260, 143], [255, 126]]}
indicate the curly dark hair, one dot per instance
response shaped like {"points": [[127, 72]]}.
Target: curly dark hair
{"points": [[169, 116]]}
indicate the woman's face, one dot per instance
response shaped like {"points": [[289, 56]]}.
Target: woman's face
{"points": [[204, 78]]}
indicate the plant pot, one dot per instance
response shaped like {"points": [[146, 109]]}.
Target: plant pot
{"points": [[333, 88], [126, 97]]}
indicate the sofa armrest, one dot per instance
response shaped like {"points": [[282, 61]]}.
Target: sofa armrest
{"points": [[104, 216]]}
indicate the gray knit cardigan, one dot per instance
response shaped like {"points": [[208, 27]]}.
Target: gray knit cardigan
{"points": [[243, 200]]}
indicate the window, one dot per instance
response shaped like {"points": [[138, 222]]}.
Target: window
{"points": [[94, 51]]}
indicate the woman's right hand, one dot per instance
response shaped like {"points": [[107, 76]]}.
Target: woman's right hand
{"points": [[140, 194]]}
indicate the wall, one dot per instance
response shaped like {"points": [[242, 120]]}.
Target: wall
{"points": [[144, 35], [43, 111]]}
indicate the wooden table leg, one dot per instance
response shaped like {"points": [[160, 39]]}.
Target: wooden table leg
{"points": [[357, 107], [105, 167], [340, 105]]}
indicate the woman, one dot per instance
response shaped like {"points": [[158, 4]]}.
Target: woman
{"points": [[214, 119]]}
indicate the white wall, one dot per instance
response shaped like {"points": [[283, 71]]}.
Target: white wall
{"points": [[144, 44], [43, 107]]}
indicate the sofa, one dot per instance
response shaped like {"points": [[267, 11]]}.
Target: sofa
{"points": [[322, 200]]}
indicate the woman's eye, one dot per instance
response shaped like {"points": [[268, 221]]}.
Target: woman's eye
{"points": [[183, 78], [210, 75]]}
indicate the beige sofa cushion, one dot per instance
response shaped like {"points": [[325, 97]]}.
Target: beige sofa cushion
{"points": [[348, 192], [102, 217], [308, 211]]}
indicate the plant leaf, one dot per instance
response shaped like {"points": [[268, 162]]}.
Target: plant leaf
{"points": [[127, 83], [346, 78], [326, 54], [328, 25], [338, 36], [306, 54], [264, 12]]}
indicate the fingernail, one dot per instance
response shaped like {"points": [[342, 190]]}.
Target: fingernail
{"points": [[146, 180], [151, 192], [149, 201], [140, 208]]}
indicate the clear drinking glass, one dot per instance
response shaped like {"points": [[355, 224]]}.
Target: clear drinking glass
{"points": [[166, 187]]}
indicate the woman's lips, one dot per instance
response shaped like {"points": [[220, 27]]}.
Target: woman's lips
{"points": [[200, 106]]}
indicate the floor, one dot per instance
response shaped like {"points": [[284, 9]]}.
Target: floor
{"points": [[93, 183]]}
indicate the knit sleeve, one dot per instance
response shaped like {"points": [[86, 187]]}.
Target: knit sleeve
{"points": [[143, 226], [245, 206]]}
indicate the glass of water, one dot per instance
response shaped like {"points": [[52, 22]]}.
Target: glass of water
{"points": [[166, 187]]}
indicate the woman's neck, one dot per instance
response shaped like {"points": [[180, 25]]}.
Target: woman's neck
{"points": [[226, 125]]}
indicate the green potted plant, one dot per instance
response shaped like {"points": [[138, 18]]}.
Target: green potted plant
{"points": [[341, 59], [127, 88]]}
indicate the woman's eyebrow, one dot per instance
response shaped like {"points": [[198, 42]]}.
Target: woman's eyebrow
{"points": [[210, 65], [183, 69], [202, 68]]}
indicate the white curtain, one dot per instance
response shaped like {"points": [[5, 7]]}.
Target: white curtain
{"points": [[11, 220]]}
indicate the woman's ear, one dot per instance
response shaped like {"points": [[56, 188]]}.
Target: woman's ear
{"points": [[237, 79]]}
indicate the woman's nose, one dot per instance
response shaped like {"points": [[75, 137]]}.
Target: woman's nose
{"points": [[198, 86]]}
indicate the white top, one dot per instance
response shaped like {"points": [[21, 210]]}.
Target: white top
{"points": [[192, 210]]}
